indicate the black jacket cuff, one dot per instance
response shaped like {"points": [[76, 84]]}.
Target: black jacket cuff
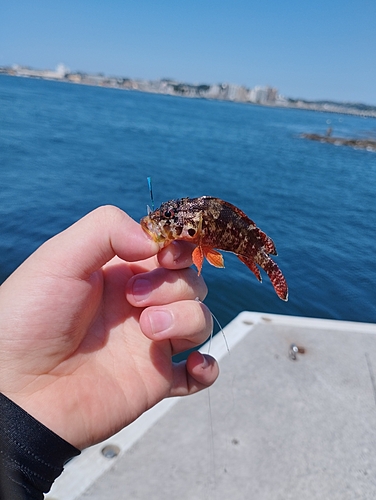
{"points": [[31, 455]]}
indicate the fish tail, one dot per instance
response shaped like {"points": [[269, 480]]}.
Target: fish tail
{"points": [[272, 270], [275, 275]]}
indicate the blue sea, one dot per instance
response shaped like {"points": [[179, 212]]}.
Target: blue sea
{"points": [[65, 149]]}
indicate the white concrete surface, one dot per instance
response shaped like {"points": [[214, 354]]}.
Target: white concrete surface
{"points": [[270, 428]]}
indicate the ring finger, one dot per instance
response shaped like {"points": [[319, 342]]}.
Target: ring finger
{"points": [[185, 324]]}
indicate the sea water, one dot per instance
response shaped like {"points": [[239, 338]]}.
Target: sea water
{"points": [[65, 149]]}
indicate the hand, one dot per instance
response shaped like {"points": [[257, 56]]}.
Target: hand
{"points": [[88, 325]]}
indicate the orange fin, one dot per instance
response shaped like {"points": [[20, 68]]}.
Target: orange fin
{"points": [[198, 258], [214, 257], [251, 264]]}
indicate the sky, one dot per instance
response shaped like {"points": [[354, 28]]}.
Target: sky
{"points": [[321, 49]]}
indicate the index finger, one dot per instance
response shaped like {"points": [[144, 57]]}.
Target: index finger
{"points": [[177, 255], [93, 241]]}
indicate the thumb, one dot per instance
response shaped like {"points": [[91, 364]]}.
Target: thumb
{"points": [[93, 241]]}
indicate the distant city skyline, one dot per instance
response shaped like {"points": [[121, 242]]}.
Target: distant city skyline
{"points": [[314, 51], [262, 95]]}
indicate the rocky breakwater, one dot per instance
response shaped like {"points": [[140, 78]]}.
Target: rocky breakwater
{"points": [[368, 144]]}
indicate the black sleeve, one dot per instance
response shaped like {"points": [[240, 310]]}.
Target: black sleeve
{"points": [[31, 456]]}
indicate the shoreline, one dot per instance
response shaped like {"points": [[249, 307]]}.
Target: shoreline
{"points": [[262, 96]]}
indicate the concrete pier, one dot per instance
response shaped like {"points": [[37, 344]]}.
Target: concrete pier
{"points": [[292, 416]]}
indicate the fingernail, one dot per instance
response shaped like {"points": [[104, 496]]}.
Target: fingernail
{"points": [[141, 289], [177, 251], [160, 321], [205, 362]]}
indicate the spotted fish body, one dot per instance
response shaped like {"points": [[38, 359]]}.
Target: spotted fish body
{"points": [[211, 223]]}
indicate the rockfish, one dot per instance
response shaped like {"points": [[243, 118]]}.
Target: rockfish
{"points": [[211, 223]]}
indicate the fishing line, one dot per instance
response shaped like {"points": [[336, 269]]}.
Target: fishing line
{"points": [[220, 328], [211, 483], [222, 332], [151, 196]]}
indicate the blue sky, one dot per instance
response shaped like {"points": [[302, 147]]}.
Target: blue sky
{"points": [[308, 49]]}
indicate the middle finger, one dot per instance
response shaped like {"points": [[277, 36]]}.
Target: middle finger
{"points": [[162, 286]]}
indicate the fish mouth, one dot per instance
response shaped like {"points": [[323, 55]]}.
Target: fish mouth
{"points": [[152, 229]]}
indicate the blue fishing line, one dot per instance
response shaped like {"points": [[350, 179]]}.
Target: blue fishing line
{"points": [[151, 193]]}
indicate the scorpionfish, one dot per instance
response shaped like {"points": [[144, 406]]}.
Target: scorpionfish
{"points": [[211, 223]]}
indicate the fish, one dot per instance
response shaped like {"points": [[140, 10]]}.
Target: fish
{"points": [[213, 224]]}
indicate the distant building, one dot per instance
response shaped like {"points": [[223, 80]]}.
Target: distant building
{"points": [[74, 77], [213, 92], [59, 74], [61, 70], [263, 95], [235, 93]]}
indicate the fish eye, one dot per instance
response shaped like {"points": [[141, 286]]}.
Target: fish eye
{"points": [[168, 214]]}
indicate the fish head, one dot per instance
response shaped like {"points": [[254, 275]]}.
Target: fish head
{"points": [[173, 220], [154, 226]]}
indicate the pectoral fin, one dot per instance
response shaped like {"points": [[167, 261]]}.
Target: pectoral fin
{"points": [[198, 258], [214, 257]]}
